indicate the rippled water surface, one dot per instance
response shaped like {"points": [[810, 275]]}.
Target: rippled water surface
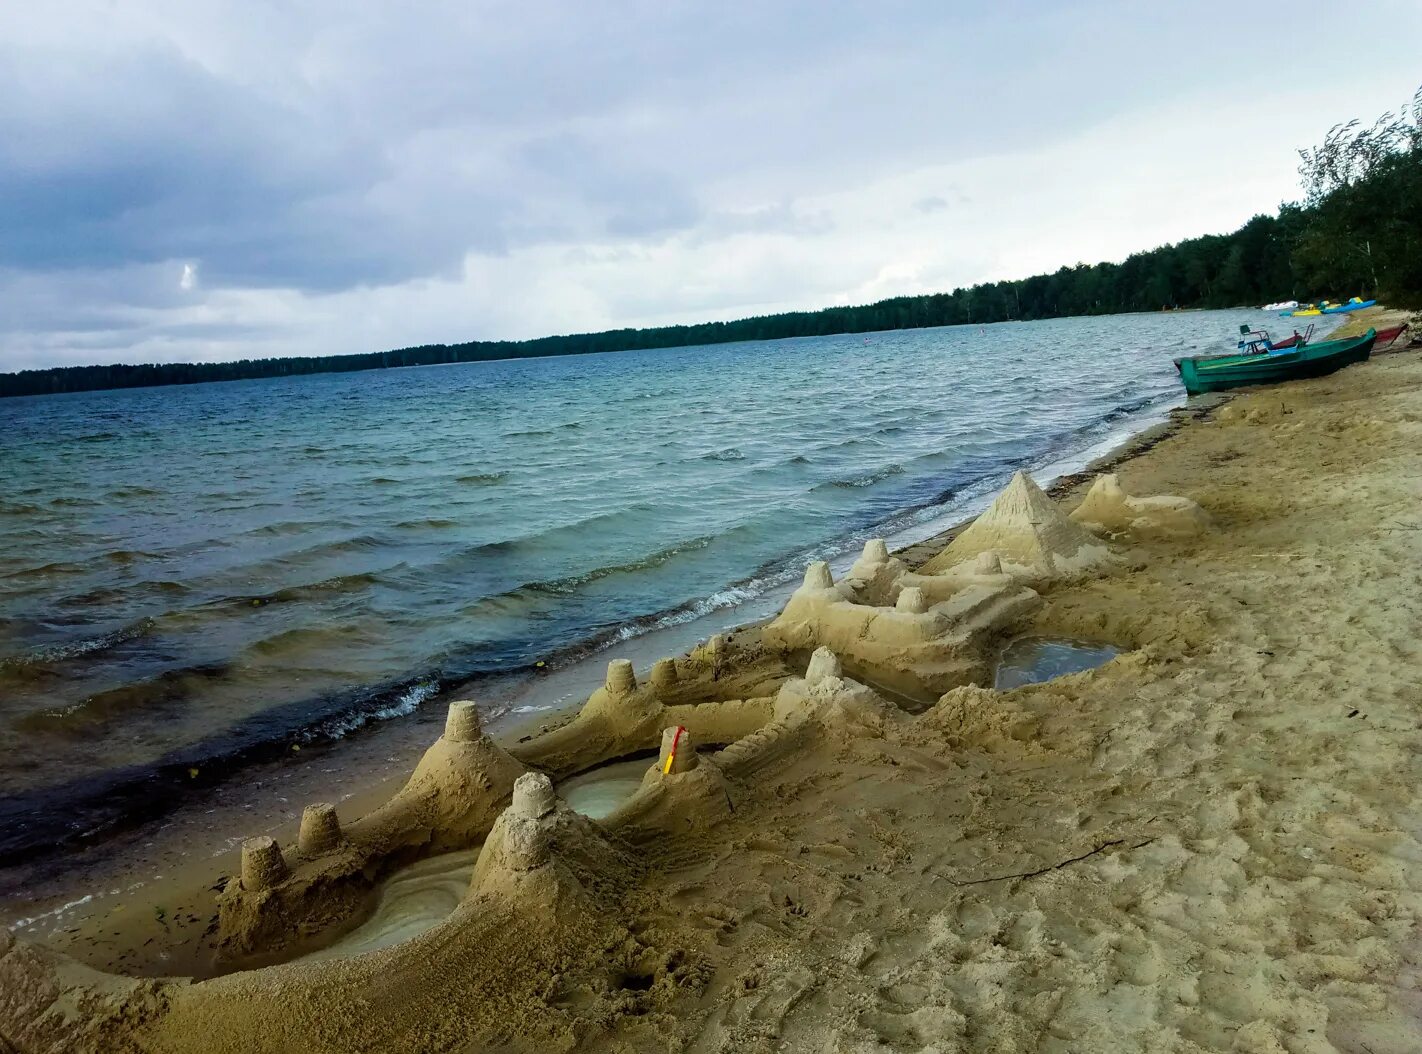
{"points": [[189, 574]]}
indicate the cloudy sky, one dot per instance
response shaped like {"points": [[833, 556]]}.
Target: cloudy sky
{"points": [[208, 180]]}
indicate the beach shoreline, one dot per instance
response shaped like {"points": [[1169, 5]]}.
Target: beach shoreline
{"points": [[145, 865], [156, 868], [1048, 864]]}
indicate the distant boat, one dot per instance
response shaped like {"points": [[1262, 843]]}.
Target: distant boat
{"points": [[1205, 374], [1282, 305], [1328, 307], [1356, 304]]}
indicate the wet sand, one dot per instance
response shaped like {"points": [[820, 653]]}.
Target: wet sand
{"points": [[1207, 844]]}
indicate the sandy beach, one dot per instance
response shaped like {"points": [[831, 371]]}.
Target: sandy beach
{"points": [[1203, 845]]}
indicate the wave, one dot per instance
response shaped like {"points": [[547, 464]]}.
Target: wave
{"points": [[133, 491], [426, 524], [528, 593], [128, 556], [101, 709], [353, 583], [481, 479], [57, 653], [47, 820], [552, 430], [46, 570], [868, 479], [541, 542], [301, 641]]}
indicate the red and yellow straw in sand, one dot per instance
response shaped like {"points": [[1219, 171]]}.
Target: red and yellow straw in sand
{"points": [[671, 754]]}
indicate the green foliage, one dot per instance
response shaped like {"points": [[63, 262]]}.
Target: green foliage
{"points": [[1358, 230], [1363, 202]]}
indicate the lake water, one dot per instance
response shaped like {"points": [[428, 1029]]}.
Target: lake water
{"points": [[194, 578]]}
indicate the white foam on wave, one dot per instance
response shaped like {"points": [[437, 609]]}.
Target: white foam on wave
{"points": [[406, 703]]}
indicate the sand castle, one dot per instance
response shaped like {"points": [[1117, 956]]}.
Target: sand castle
{"points": [[718, 695], [450, 802], [542, 858], [541, 863], [921, 634], [920, 645], [464, 780], [1107, 509], [1030, 536]]}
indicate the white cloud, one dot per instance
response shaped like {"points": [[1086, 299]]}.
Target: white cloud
{"points": [[360, 179]]}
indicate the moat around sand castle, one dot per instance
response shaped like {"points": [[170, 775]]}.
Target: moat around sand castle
{"points": [[474, 808]]}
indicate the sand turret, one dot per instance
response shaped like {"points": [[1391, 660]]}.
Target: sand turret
{"points": [[663, 677], [546, 860], [533, 796], [824, 664], [1028, 532], [461, 724], [871, 561], [320, 829], [620, 678], [912, 600], [828, 698], [262, 863], [871, 577], [677, 753], [817, 576]]}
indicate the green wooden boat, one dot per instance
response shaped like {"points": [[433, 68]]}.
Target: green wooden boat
{"points": [[1215, 374]]}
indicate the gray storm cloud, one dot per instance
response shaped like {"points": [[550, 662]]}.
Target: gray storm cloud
{"points": [[501, 169]]}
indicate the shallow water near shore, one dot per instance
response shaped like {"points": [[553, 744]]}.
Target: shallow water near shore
{"points": [[1031, 660], [598, 792], [193, 579], [414, 900]]}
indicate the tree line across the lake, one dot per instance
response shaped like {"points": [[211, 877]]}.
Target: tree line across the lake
{"points": [[1358, 230]]}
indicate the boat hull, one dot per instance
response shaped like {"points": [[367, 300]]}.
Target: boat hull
{"points": [[1352, 305], [1238, 371]]}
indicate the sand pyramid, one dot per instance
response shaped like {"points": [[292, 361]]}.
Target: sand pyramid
{"points": [[1028, 531]]}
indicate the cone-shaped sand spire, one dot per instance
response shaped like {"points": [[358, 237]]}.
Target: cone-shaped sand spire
{"points": [[912, 600], [817, 576], [824, 664], [1028, 530]]}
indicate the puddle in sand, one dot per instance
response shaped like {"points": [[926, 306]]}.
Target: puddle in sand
{"points": [[597, 792], [1028, 660], [413, 900]]}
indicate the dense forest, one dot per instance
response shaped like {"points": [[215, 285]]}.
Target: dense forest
{"points": [[1358, 230]]}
